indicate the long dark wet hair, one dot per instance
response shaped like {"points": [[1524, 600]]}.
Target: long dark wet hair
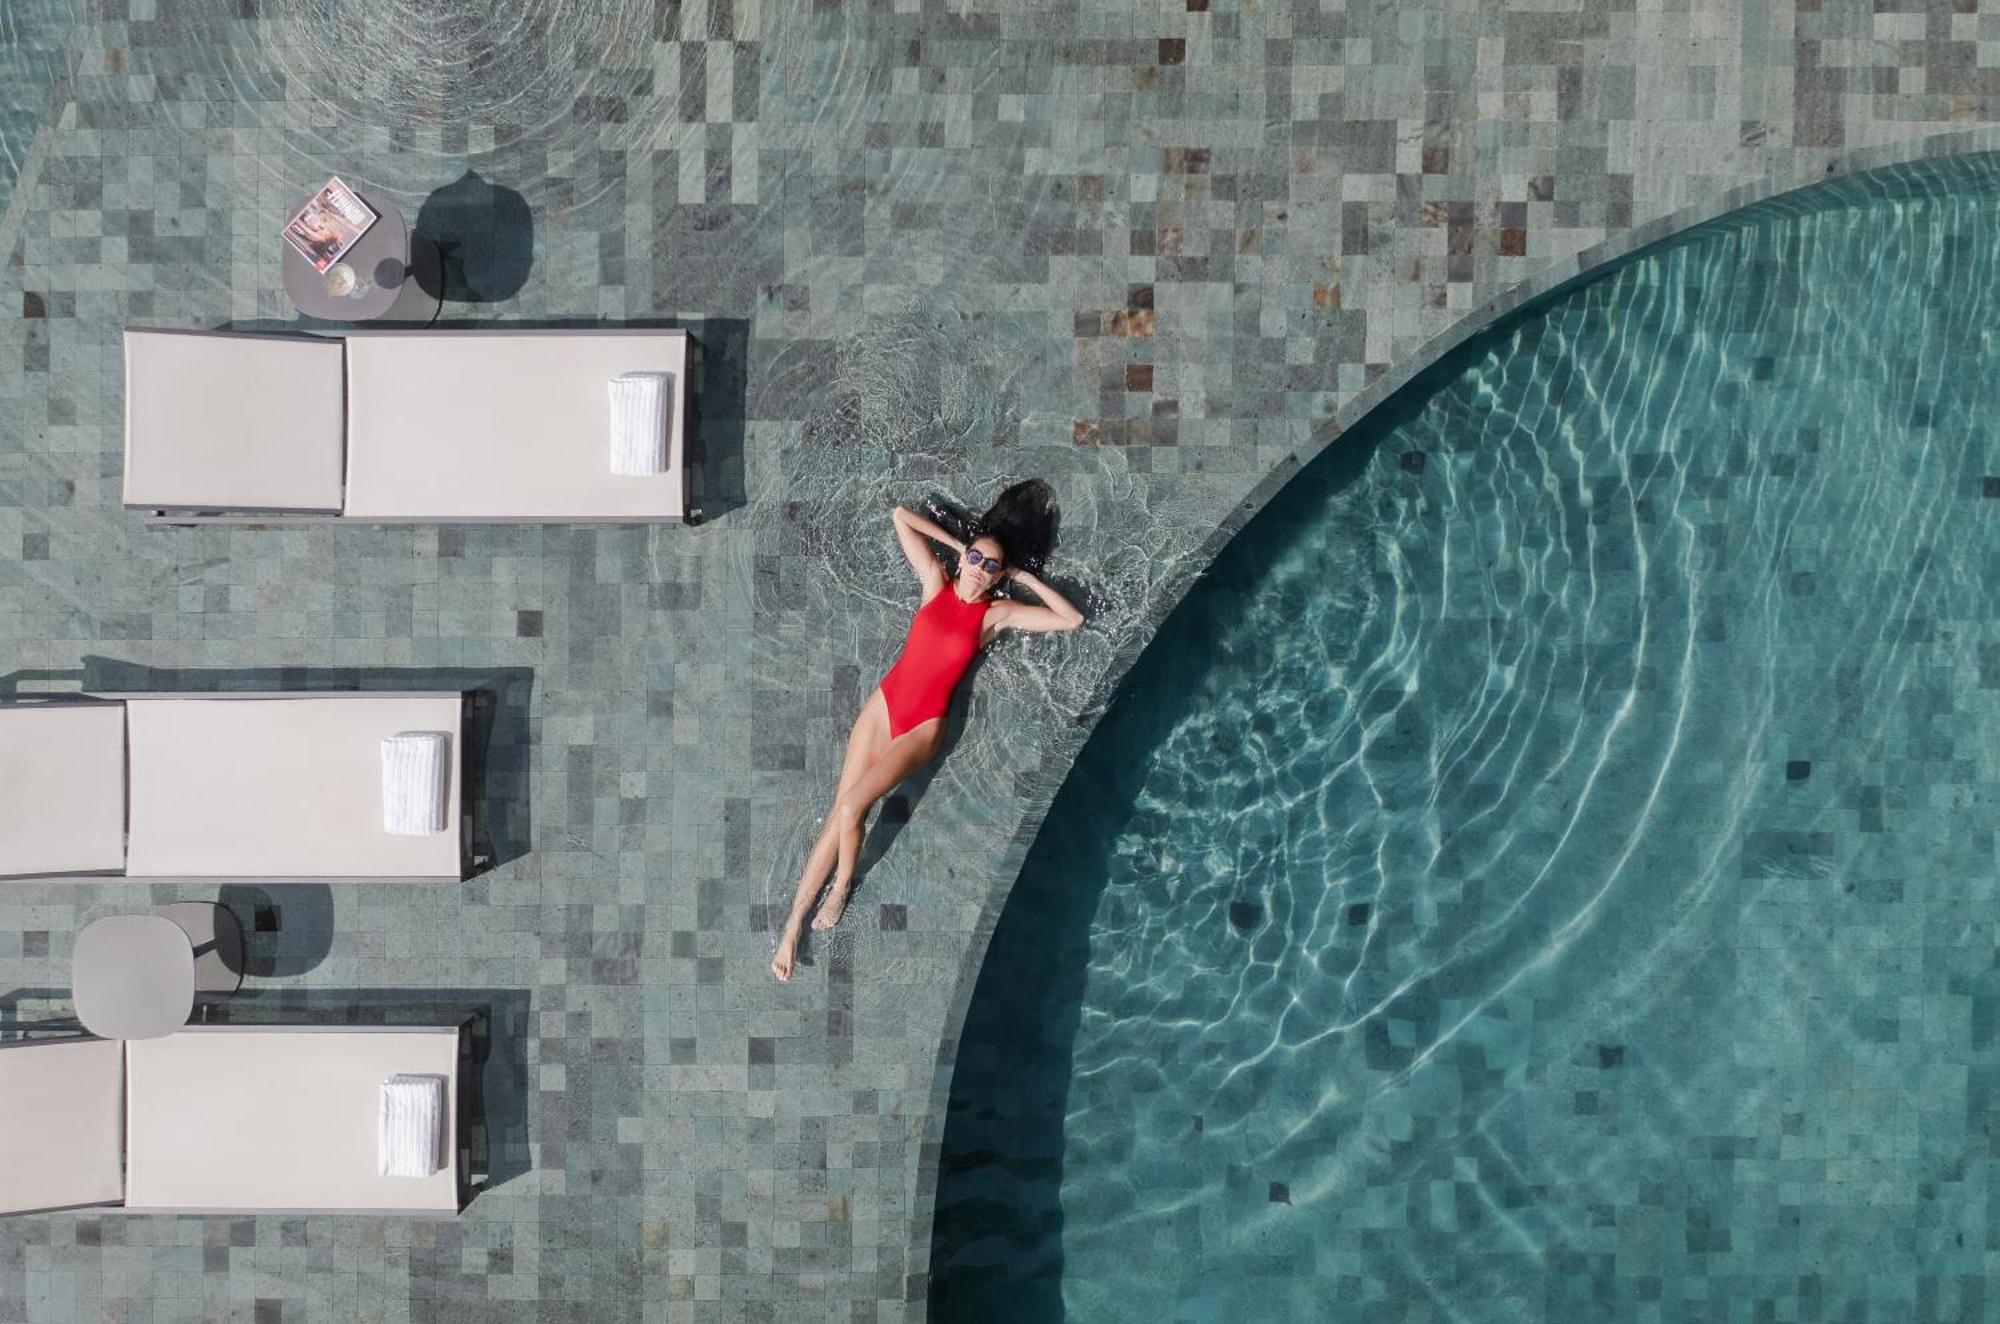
{"points": [[1023, 520]]}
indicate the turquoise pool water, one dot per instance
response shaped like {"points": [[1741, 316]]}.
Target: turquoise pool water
{"points": [[1546, 871], [33, 35]]}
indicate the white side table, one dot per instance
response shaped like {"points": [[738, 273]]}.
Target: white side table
{"points": [[133, 977]]}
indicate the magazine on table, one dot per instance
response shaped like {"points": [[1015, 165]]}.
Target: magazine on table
{"points": [[330, 223]]}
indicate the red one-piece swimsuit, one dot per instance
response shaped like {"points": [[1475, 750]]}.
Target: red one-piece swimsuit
{"points": [[944, 637]]}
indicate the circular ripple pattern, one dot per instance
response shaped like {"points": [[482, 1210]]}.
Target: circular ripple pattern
{"points": [[1545, 871], [409, 70]]}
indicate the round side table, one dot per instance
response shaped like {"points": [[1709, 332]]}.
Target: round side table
{"points": [[394, 265], [133, 977]]}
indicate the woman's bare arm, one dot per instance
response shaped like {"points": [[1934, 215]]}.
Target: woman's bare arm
{"points": [[1055, 615], [911, 531]]}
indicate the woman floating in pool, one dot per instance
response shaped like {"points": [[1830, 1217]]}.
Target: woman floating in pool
{"points": [[902, 723]]}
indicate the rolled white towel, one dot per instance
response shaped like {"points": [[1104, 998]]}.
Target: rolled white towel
{"points": [[412, 1131], [416, 776], [639, 422]]}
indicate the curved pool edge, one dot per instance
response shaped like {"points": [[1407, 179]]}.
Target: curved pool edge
{"points": [[1053, 769]]}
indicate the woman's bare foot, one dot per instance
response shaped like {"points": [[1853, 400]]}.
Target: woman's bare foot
{"points": [[788, 950], [833, 908]]}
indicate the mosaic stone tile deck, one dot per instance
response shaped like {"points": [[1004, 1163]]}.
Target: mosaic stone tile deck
{"points": [[1151, 251]]}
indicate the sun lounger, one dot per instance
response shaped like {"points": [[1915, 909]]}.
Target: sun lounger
{"points": [[223, 786], [224, 1119], [409, 427]]}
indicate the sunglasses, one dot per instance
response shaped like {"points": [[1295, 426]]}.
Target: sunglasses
{"points": [[992, 565]]}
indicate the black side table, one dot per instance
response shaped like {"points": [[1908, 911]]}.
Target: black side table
{"points": [[395, 268]]}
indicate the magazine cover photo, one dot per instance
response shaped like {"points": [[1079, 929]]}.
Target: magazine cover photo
{"points": [[330, 223]]}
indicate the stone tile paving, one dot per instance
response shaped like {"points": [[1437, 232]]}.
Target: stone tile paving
{"points": [[1150, 251]]}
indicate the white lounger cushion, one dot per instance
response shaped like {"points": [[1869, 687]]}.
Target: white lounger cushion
{"points": [[59, 1124], [220, 421], [502, 425], [62, 788], [276, 1119], [278, 787]]}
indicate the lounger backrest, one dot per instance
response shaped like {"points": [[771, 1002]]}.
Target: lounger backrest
{"points": [[62, 788], [225, 421], [60, 1115], [277, 1118]]}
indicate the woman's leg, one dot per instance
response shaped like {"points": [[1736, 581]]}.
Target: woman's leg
{"points": [[865, 744], [905, 754]]}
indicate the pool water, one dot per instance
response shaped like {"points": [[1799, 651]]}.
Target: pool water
{"points": [[33, 35], [1546, 870]]}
